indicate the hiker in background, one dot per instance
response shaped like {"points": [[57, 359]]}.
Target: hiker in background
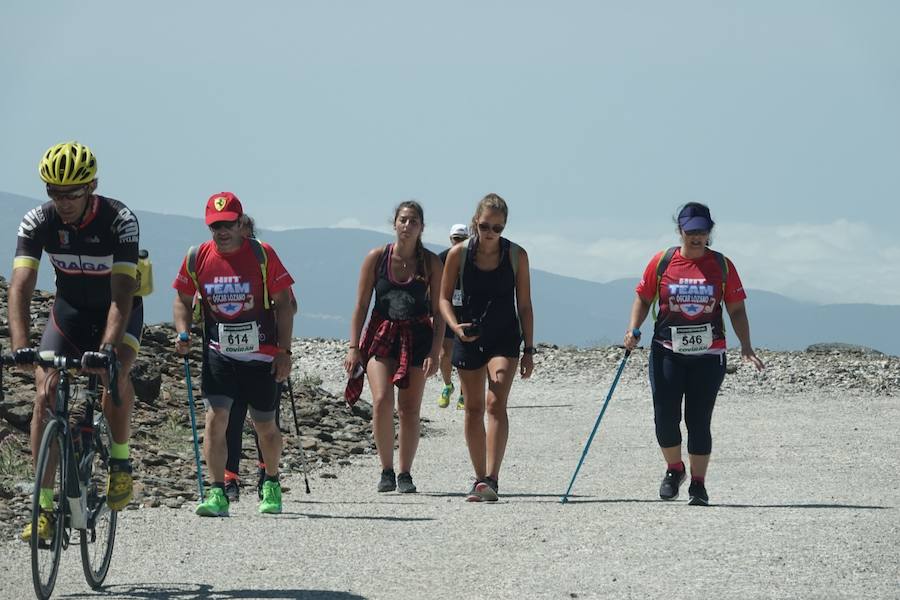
{"points": [[687, 355], [247, 340], [458, 234], [238, 415], [496, 315], [400, 346]]}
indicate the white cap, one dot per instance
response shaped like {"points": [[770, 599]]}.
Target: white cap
{"points": [[459, 230]]}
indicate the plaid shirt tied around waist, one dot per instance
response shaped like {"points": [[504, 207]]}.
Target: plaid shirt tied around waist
{"points": [[378, 340]]}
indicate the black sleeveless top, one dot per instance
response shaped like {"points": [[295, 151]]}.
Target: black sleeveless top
{"points": [[490, 295], [399, 301]]}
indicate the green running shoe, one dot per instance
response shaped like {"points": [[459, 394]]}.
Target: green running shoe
{"points": [[271, 500], [215, 504], [460, 404], [444, 400]]}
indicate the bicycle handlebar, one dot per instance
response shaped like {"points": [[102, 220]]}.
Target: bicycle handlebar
{"points": [[50, 360]]}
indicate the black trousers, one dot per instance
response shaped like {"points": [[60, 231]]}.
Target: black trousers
{"points": [[234, 435], [694, 379]]}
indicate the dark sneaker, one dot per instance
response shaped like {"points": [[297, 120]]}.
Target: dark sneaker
{"points": [[488, 489], [405, 484], [697, 494], [232, 490], [388, 481], [472, 495], [668, 489]]}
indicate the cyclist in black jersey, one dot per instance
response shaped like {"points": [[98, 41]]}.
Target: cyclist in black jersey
{"points": [[92, 243]]}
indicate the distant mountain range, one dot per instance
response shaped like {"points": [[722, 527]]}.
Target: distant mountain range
{"points": [[325, 264]]}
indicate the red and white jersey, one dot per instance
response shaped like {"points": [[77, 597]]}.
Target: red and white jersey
{"points": [[232, 293], [691, 293]]}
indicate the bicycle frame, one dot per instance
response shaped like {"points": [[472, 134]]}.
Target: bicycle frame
{"points": [[73, 466]]}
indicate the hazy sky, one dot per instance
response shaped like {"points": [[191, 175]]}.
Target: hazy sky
{"points": [[595, 120]]}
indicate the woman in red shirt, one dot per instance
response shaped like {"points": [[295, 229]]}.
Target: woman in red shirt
{"points": [[687, 355]]}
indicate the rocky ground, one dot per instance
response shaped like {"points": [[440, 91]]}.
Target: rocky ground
{"points": [[330, 434]]}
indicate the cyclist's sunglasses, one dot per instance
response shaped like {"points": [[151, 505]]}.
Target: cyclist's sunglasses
{"points": [[68, 193], [488, 227]]}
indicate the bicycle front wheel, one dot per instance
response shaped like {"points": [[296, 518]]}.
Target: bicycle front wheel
{"points": [[98, 539], [48, 511]]}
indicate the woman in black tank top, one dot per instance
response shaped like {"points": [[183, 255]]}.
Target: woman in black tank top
{"points": [[496, 317], [400, 345]]}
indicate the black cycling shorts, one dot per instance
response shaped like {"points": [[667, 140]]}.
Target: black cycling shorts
{"points": [[73, 331], [225, 381]]}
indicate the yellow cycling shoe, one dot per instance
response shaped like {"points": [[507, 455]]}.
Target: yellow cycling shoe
{"points": [[45, 528], [119, 488]]}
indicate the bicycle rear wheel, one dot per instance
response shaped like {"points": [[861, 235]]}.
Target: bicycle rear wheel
{"points": [[98, 539], [46, 549]]}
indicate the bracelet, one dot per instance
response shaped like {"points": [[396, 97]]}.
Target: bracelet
{"points": [[288, 352], [636, 332], [353, 347], [529, 350]]}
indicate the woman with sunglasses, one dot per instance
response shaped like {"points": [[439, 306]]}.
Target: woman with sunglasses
{"points": [[687, 354], [400, 345], [494, 301]]}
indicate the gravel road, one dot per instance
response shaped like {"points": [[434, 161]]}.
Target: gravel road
{"points": [[804, 490]]}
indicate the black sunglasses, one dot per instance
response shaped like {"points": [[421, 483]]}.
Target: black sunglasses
{"points": [[489, 227], [223, 225], [693, 232]]}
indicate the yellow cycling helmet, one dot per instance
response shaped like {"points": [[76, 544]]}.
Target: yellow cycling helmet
{"points": [[69, 163]]}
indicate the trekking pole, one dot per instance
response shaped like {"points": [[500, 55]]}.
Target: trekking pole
{"points": [[297, 431], [565, 497], [183, 336]]}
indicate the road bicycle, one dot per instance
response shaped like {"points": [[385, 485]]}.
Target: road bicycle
{"points": [[71, 471]]}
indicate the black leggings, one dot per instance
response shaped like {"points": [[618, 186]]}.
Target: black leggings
{"points": [[234, 435], [696, 379]]}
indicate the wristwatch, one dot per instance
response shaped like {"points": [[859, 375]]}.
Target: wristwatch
{"points": [[529, 350]]}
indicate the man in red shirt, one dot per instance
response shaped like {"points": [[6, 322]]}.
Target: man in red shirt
{"points": [[247, 328]]}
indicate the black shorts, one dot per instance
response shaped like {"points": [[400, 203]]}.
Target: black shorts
{"points": [[474, 355], [72, 331], [225, 381], [448, 333]]}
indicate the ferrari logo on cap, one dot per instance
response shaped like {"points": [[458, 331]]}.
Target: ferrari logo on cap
{"points": [[220, 203]]}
